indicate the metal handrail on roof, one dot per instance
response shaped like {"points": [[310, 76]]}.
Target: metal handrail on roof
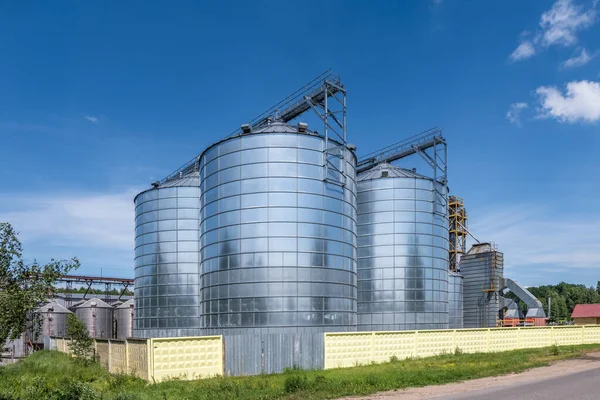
{"points": [[292, 106], [404, 148]]}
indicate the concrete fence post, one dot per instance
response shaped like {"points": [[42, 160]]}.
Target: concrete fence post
{"points": [[372, 346], [454, 341], [110, 366], [150, 352], [127, 357], [416, 349]]}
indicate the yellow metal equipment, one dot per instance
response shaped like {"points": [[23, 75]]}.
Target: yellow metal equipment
{"points": [[458, 218]]}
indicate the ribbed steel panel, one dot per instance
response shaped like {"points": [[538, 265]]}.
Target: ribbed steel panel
{"points": [[278, 243], [402, 251], [166, 259], [97, 317], [12, 350], [455, 300], [254, 354], [124, 315], [480, 308]]}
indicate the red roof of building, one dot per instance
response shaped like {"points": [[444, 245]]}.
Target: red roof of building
{"points": [[586, 311]]}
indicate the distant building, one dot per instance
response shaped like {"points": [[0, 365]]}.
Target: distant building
{"points": [[586, 314]]}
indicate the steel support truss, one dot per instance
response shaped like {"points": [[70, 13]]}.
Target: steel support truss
{"points": [[329, 103]]}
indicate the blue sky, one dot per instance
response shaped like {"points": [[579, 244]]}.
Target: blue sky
{"points": [[97, 100]]}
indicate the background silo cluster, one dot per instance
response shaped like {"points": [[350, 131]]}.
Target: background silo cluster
{"points": [[252, 238]]}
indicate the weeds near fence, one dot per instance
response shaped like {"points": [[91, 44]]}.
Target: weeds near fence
{"points": [[56, 376]]}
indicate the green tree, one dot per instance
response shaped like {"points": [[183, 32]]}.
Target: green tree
{"points": [[23, 287], [81, 342]]}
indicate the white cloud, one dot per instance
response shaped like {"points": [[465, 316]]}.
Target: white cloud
{"points": [[92, 119], [514, 113], [524, 51], [558, 26], [580, 103], [579, 60], [528, 237], [561, 23], [104, 221]]}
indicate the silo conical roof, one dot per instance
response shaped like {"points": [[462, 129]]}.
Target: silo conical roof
{"points": [[379, 171], [127, 304], [189, 179], [53, 307], [94, 302]]}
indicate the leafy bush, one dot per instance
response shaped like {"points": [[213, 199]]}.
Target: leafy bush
{"points": [[75, 390], [372, 380], [295, 383], [82, 344]]}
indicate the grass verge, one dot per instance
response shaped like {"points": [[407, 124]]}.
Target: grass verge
{"points": [[55, 376]]}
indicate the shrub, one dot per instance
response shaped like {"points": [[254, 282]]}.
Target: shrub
{"points": [[81, 345], [295, 383], [75, 390], [394, 359], [372, 380]]}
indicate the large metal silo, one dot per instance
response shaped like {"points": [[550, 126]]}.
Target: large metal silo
{"points": [[278, 240], [402, 250], [97, 316], [52, 319], [166, 258], [455, 300], [123, 315]]}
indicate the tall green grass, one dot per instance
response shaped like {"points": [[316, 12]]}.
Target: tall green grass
{"points": [[56, 376]]}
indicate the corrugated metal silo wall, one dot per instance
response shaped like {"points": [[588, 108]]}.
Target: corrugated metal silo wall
{"points": [[167, 302], [98, 320], [124, 322], [254, 354], [15, 349], [54, 324], [480, 309], [455, 300], [278, 243]]}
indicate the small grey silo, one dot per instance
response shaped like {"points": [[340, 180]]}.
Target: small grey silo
{"points": [[53, 320], [124, 315], [97, 317], [482, 270]]}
